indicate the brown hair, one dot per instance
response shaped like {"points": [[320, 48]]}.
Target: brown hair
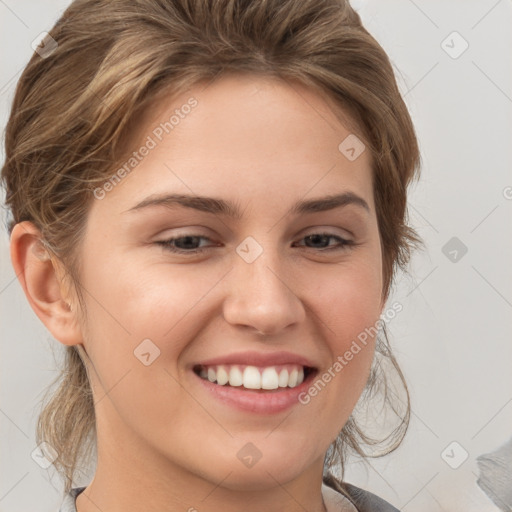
{"points": [[73, 109]]}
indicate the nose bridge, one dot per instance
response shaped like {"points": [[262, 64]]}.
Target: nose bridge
{"points": [[260, 293]]}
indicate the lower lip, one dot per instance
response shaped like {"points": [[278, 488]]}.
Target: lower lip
{"points": [[256, 401]]}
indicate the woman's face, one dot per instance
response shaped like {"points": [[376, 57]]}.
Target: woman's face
{"points": [[285, 281]]}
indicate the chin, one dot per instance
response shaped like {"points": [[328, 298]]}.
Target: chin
{"points": [[269, 468], [262, 478]]}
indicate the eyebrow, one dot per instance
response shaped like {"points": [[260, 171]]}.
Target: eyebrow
{"points": [[233, 210]]}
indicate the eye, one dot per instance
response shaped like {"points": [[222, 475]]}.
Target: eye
{"points": [[321, 241], [186, 244], [191, 243]]}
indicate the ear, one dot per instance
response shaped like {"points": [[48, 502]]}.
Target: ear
{"points": [[42, 278]]}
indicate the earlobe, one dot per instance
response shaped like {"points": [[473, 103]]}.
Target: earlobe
{"points": [[42, 279]]}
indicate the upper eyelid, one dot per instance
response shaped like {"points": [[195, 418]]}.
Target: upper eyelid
{"points": [[342, 225], [311, 230]]}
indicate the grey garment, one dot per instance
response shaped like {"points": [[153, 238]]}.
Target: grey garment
{"points": [[495, 477], [364, 501], [368, 502]]}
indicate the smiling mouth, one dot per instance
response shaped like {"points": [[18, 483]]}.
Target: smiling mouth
{"points": [[268, 378]]}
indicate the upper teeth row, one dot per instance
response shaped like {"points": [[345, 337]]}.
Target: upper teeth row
{"points": [[252, 377]]}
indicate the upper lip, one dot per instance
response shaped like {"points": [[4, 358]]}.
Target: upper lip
{"points": [[259, 359]]}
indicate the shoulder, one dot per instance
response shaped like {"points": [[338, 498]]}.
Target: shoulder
{"points": [[69, 502], [364, 501]]}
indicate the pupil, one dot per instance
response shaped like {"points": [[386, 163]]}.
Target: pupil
{"points": [[187, 239], [318, 238]]}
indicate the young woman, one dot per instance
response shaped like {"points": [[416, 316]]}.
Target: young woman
{"points": [[209, 206]]}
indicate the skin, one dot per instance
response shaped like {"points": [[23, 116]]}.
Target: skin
{"points": [[163, 442]]}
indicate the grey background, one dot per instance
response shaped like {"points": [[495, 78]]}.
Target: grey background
{"points": [[452, 337]]}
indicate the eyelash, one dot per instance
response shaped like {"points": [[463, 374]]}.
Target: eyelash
{"points": [[167, 244]]}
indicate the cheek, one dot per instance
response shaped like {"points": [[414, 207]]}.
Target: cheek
{"points": [[347, 297], [138, 325], [347, 302], [132, 301]]}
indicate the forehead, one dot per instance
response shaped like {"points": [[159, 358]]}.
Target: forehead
{"points": [[244, 135], [249, 107]]}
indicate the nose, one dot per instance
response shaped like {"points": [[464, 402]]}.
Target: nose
{"points": [[260, 296]]}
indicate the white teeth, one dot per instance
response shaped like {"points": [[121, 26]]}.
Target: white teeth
{"points": [[252, 377], [292, 379], [283, 378], [222, 376], [269, 379], [235, 376]]}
